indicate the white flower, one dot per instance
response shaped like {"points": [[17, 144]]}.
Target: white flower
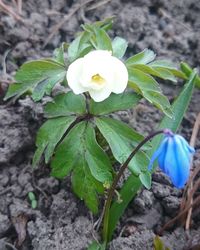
{"points": [[99, 73]]}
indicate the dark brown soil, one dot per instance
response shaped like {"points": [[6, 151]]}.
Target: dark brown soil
{"points": [[61, 221]]}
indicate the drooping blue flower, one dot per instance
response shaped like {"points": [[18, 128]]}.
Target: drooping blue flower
{"points": [[174, 155]]}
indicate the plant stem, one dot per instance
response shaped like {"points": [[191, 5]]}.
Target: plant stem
{"points": [[115, 182]]}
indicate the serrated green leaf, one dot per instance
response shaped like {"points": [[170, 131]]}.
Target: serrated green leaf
{"points": [[121, 139], [101, 40], [133, 183], [79, 46], [79, 153], [149, 88], [17, 89], [143, 57], [156, 71], [97, 160], [114, 103], [160, 101], [39, 76], [83, 184], [119, 46], [169, 66], [143, 81], [49, 135], [59, 53], [65, 104], [145, 178]]}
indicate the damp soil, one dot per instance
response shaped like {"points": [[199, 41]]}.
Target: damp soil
{"points": [[61, 221]]}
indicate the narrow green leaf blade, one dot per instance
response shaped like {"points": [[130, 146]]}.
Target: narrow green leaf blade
{"points": [[115, 103], [65, 104]]}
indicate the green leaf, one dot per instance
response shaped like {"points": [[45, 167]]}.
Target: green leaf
{"points": [[143, 57], [119, 46], [49, 135], [79, 47], [17, 89], [145, 178], [80, 153], [122, 140], [34, 204], [101, 40], [96, 246], [167, 65], [38, 76], [158, 244], [59, 53], [114, 103], [133, 183], [149, 88], [65, 104], [156, 71], [188, 71], [84, 185], [31, 196]]}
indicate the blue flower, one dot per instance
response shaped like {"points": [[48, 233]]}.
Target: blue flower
{"points": [[173, 156]]}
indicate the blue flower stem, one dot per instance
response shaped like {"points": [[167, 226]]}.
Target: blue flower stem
{"points": [[116, 180]]}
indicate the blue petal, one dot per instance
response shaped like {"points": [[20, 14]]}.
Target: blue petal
{"points": [[185, 144], [183, 163], [161, 157], [170, 164], [157, 153]]}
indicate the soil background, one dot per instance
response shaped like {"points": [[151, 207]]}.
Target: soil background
{"points": [[61, 221]]}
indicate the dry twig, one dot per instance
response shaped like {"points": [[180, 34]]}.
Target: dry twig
{"points": [[9, 10]]}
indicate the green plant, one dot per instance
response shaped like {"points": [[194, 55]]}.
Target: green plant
{"points": [[79, 137]]}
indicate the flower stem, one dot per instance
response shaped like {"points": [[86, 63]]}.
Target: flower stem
{"points": [[116, 180]]}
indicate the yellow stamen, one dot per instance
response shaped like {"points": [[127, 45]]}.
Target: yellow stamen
{"points": [[98, 79]]}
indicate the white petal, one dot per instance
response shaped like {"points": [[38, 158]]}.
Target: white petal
{"points": [[100, 95], [120, 76], [73, 76]]}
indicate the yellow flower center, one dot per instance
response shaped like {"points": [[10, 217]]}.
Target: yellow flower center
{"points": [[97, 79]]}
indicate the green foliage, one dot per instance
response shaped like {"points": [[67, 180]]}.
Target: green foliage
{"points": [[147, 86], [32, 199], [119, 46], [38, 77], [115, 102], [122, 139], [188, 71], [88, 162], [144, 57], [65, 104], [49, 135], [159, 244]]}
